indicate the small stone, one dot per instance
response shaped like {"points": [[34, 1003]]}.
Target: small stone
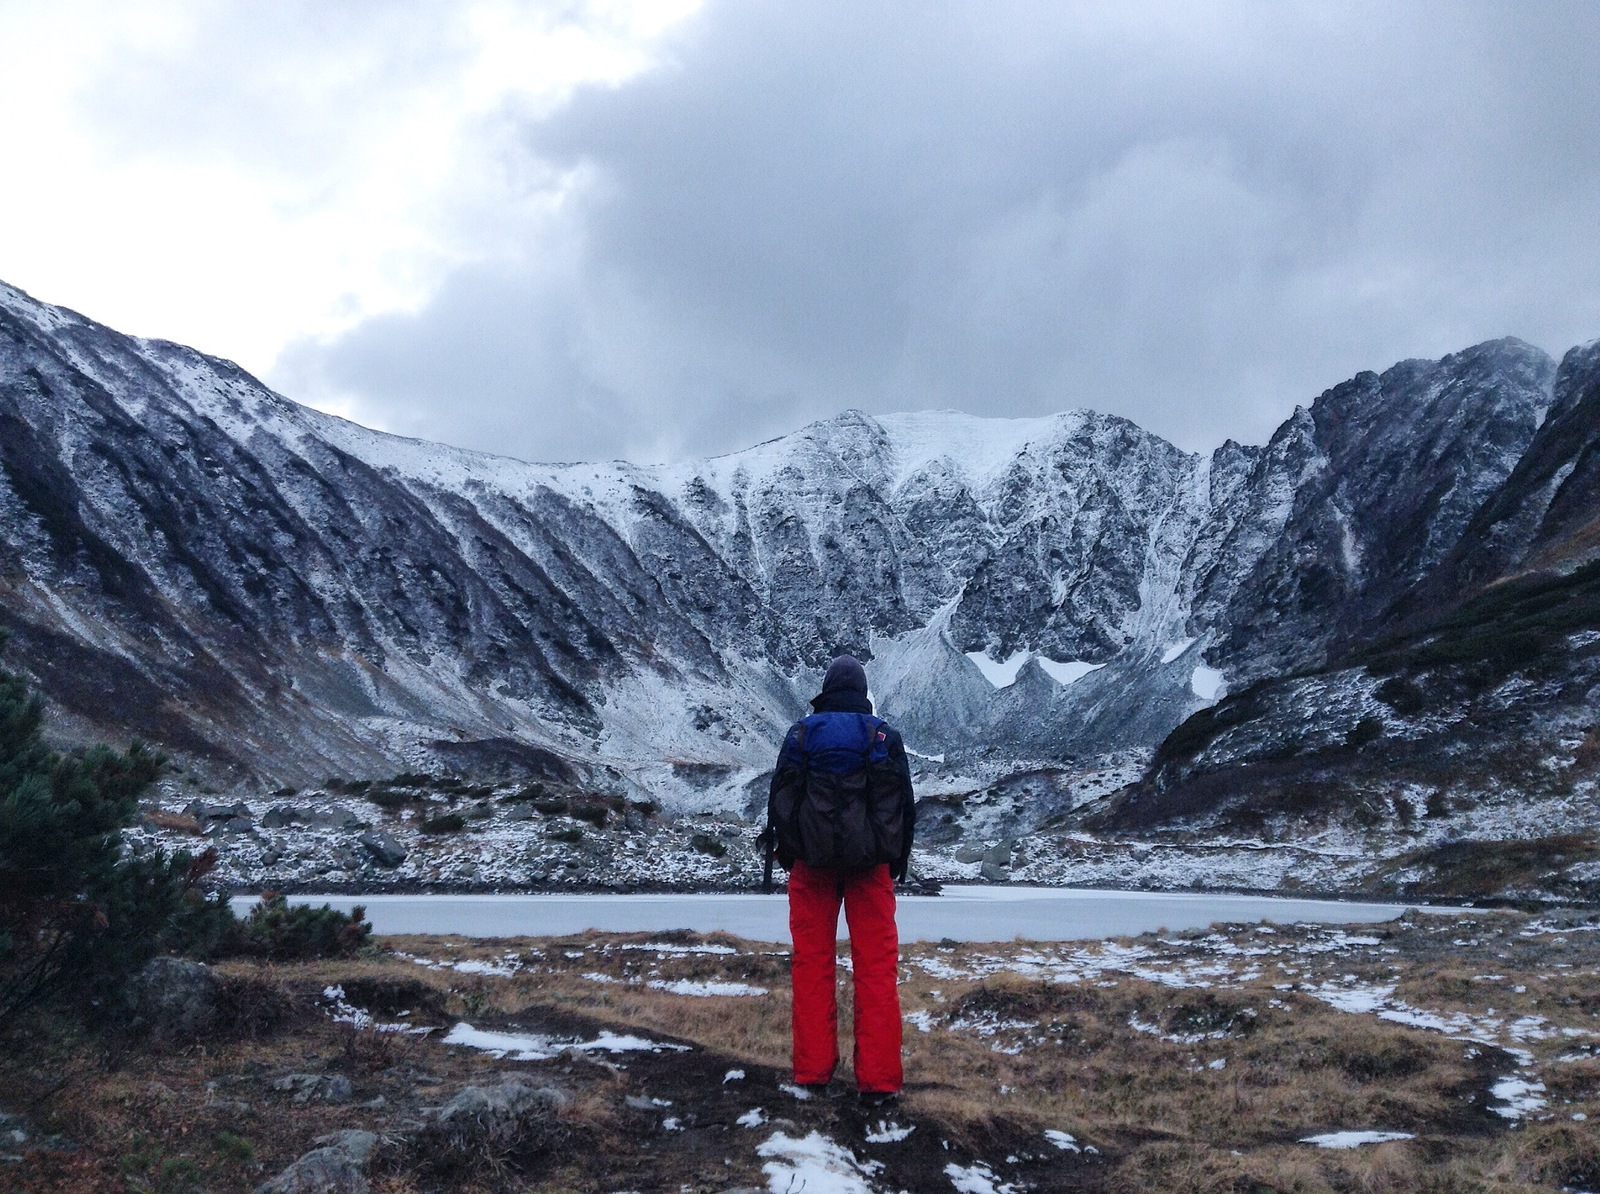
{"points": [[315, 1088]]}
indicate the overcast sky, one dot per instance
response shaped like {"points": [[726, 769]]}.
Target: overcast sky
{"points": [[651, 230]]}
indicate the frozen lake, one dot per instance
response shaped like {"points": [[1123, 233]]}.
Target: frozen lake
{"points": [[961, 913]]}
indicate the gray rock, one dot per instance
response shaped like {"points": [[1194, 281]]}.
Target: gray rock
{"points": [[315, 1088], [206, 812], [1000, 854], [280, 816], [333, 818], [174, 1000], [991, 873], [385, 850], [338, 1167], [514, 1116], [971, 852], [520, 812]]}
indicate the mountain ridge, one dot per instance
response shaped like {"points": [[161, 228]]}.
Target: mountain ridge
{"points": [[329, 598]]}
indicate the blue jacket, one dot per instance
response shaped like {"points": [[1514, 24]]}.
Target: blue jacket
{"points": [[837, 739]]}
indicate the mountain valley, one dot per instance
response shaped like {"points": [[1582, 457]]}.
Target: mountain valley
{"points": [[1364, 655]]}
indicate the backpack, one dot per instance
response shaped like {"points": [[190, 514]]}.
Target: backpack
{"points": [[840, 802]]}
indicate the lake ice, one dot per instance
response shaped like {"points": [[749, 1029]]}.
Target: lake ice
{"points": [[961, 913]]}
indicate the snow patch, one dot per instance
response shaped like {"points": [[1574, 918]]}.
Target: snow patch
{"points": [[1354, 1139], [1065, 1141], [684, 986], [1068, 671], [1207, 683], [1176, 650], [814, 1164], [887, 1132], [1518, 1097], [527, 1046], [1001, 674], [977, 1178]]}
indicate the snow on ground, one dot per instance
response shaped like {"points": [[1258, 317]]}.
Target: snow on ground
{"points": [[343, 1011], [1354, 1139], [977, 1178], [684, 986], [888, 1132], [1517, 1097], [527, 1046], [815, 1164]]}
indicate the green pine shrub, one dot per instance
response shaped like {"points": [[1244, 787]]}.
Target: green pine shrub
{"points": [[280, 931], [77, 918]]}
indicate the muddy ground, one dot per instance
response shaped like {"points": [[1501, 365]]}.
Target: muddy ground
{"points": [[1201, 1061]]}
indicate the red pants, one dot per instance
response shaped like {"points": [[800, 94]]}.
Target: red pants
{"points": [[814, 897]]}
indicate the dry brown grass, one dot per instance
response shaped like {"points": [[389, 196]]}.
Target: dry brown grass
{"points": [[1123, 1063]]}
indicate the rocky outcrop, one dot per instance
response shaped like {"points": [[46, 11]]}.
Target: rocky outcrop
{"points": [[1356, 500]]}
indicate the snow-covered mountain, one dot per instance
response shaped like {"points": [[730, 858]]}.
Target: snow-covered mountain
{"points": [[189, 557]]}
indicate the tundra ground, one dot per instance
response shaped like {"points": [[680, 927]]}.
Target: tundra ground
{"points": [[1465, 1049]]}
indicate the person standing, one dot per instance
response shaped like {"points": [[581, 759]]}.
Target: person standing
{"points": [[840, 819]]}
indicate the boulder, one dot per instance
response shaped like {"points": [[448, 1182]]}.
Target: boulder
{"points": [[337, 817], [338, 1167], [280, 816], [514, 1117], [382, 846], [1000, 854], [174, 1000], [205, 812]]}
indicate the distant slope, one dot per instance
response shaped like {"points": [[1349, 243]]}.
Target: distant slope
{"points": [[1470, 714]]}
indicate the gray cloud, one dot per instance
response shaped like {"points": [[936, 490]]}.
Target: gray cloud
{"points": [[1194, 215]]}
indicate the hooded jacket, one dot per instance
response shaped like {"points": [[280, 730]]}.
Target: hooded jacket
{"points": [[844, 693]]}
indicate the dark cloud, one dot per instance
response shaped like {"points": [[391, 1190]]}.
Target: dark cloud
{"points": [[1194, 215]]}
